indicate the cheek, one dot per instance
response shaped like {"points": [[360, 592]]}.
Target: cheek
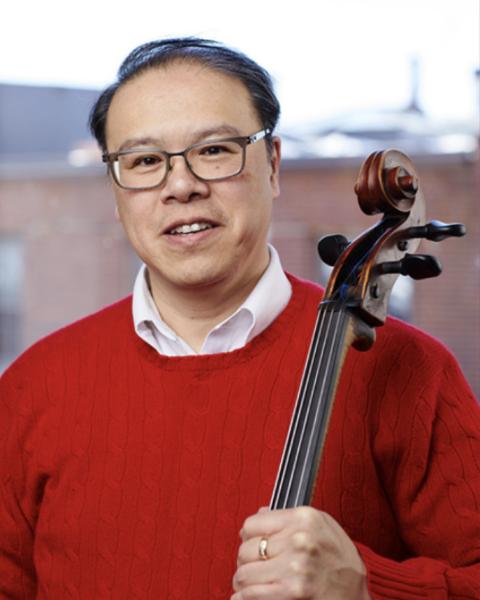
{"points": [[253, 222], [123, 214], [133, 212], [251, 209], [134, 223]]}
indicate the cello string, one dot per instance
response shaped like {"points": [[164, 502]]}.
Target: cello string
{"points": [[325, 334], [279, 484], [321, 334], [306, 402], [320, 407], [298, 408]]}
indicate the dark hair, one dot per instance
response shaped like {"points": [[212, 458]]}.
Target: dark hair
{"points": [[209, 52]]}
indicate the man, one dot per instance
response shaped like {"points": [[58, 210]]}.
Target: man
{"points": [[135, 450]]}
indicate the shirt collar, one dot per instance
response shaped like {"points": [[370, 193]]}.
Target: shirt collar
{"points": [[266, 301]]}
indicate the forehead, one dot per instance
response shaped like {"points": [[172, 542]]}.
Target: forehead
{"points": [[173, 102]]}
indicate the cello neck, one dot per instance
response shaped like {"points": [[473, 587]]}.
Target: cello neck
{"points": [[302, 452]]}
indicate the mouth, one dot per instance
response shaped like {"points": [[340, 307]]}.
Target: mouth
{"points": [[190, 228]]}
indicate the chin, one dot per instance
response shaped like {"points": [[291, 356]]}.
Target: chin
{"points": [[193, 279]]}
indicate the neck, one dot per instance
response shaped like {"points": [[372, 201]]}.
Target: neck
{"points": [[193, 312]]}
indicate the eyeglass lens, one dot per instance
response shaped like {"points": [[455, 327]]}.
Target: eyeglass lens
{"points": [[147, 168]]}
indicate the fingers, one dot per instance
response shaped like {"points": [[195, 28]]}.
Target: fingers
{"points": [[256, 573], [284, 576], [291, 559], [293, 574], [249, 550], [261, 592], [268, 522], [308, 555], [264, 523], [303, 531]]}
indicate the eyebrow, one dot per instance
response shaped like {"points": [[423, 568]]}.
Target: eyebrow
{"points": [[197, 136]]}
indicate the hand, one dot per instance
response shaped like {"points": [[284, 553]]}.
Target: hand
{"points": [[309, 557]]}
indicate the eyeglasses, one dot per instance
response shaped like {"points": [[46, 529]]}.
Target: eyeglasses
{"points": [[147, 168]]}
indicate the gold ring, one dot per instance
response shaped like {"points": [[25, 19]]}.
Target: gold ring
{"points": [[262, 549]]}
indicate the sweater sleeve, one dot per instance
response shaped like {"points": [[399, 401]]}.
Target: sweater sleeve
{"points": [[434, 489], [17, 504]]}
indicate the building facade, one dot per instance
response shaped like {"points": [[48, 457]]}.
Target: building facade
{"points": [[63, 254]]}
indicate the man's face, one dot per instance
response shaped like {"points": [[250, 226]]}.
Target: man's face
{"points": [[171, 108]]}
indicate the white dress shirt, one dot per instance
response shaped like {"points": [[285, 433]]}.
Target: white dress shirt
{"points": [[266, 301]]}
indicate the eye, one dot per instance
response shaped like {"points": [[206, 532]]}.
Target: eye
{"points": [[146, 160], [214, 150], [218, 149], [142, 160]]}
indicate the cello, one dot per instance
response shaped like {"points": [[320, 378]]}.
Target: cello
{"points": [[355, 303]]}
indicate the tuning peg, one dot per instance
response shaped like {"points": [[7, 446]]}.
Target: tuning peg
{"points": [[436, 231], [417, 266], [330, 247]]}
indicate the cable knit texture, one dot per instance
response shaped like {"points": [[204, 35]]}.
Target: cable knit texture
{"points": [[127, 475]]}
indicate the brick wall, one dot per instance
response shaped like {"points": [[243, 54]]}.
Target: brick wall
{"points": [[76, 258]]}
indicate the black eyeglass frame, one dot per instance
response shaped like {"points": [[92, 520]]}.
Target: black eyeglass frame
{"points": [[243, 141]]}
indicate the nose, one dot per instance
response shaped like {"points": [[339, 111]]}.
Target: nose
{"points": [[181, 185]]}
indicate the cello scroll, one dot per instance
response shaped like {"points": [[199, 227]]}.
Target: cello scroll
{"points": [[368, 267]]}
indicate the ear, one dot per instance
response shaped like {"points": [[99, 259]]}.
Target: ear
{"points": [[275, 166], [117, 215]]}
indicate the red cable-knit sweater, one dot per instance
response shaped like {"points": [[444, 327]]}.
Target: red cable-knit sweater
{"points": [[127, 475]]}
